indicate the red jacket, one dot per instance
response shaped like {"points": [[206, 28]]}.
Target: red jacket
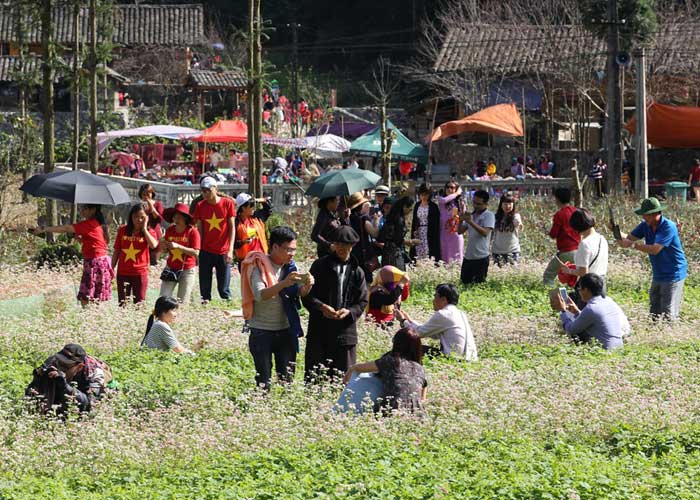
{"points": [[567, 238]]}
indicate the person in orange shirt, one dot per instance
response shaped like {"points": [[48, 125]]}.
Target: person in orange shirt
{"points": [[250, 226], [131, 256]]}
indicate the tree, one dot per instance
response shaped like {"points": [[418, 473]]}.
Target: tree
{"points": [[255, 76], [48, 70], [381, 90]]}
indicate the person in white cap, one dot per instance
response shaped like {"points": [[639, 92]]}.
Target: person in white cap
{"points": [[215, 216], [380, 194], [250, 226]]}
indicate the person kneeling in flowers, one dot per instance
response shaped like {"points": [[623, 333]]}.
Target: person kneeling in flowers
{"points": [[387, 291], [69, 375], [159, 332], [600, 319], [448, 324]]}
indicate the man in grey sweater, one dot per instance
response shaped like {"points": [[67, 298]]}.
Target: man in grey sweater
{"points": [[275, 325]]}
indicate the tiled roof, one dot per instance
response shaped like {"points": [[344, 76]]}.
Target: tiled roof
{"points": [[9, 69], [224, 79], [133, 25], [525, 49]]}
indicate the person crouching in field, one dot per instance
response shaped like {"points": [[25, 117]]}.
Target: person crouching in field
{"points": [[68, 376], [389, 288], [600, 319], [159, 332], [96, 282]]}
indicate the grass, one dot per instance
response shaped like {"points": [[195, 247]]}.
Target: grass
{"points": [[536, 417]]}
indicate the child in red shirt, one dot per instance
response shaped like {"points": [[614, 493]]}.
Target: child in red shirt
{"points": [[131, 255], [183, 242], [96, 282], [567, 238]]}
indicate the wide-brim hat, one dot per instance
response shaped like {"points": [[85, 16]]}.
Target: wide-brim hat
{"points": [[382, 189], [180, 208], [355, 200], [650, 206]]}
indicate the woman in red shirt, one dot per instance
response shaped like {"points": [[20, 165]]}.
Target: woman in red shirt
{"points": [[694, 180], [182, 241], [131, 255], [96, 282], [154, 210]]}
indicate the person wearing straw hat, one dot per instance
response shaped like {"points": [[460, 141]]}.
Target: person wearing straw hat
{"points": [[367, 228], [658, 237], [182, 241]]}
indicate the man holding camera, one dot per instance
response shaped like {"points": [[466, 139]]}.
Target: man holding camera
{"points": [[70, 374], [271, 287]]}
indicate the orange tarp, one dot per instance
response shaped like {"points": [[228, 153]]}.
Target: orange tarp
{"points": [[671, 126], [502, 119], [224, 131]]}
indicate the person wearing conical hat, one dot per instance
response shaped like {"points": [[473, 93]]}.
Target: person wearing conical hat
{"points": [[658, 237]]}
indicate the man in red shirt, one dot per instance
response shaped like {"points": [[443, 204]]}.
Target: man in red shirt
{"points": [[694, 179], [567, 238], [215, 216]]}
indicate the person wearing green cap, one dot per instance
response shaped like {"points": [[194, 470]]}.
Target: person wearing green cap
{"points": [[662, 243]]}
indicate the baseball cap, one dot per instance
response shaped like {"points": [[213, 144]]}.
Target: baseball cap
{"points": [[382, 189], [242, 199], [208, 182]]}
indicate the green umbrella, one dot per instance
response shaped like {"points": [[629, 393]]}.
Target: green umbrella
{"points": [[342, 183]]}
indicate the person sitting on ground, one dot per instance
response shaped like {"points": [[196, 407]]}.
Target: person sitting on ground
{"points": [[388, 289], [70, 374], [448, 324], [601, 318], [159, 332], [404, 383]]}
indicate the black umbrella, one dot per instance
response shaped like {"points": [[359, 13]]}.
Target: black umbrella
{"points": [[76, 186]]}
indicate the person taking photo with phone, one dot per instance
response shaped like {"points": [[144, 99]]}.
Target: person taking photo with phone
{"points": [[271, 287]]}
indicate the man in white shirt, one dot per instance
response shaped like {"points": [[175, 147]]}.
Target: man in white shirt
{"points": [[448, 324], [592, 253], [478, 225]]}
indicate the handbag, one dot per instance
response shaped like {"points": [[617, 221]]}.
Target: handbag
{"points": [[170, 274]]}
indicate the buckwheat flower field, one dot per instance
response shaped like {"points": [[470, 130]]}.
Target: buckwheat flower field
{"points": [[536, 417]]}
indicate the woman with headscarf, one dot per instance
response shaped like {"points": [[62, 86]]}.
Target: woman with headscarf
{"points": [[326, 223], [388, 289]]}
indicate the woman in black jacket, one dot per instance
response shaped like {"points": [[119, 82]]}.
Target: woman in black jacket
{"points": [[393, 234], [326, 224], [425, 227]]}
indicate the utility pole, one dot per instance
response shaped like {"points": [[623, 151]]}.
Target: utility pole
{"points": [[641, 180], [255, 157], [295, 76], [48, 70], [613, 130]]}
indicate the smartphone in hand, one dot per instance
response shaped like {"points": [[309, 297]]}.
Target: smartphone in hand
{"points": [[564, 296]]}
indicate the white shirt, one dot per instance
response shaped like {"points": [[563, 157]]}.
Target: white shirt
{"points": [[587, 251], [215, 158], [451, 326]]}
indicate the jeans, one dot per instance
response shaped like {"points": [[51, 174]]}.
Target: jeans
{"points": [[208, 262], [665, 299], [263, 344], [474, 270], [184, 286], [550, 273]]}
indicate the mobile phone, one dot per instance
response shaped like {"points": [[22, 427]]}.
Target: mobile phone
{"points": [[563, 295]]}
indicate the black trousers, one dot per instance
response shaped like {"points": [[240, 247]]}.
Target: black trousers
{"points": [[325, 359], [474, 271], [263, 345]]}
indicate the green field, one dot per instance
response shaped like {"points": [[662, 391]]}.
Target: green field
{"points": [[535, 418]]}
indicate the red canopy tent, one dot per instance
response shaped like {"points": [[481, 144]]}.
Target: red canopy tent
{"points": [[501, 119], [671, 126], [224, 131]]}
